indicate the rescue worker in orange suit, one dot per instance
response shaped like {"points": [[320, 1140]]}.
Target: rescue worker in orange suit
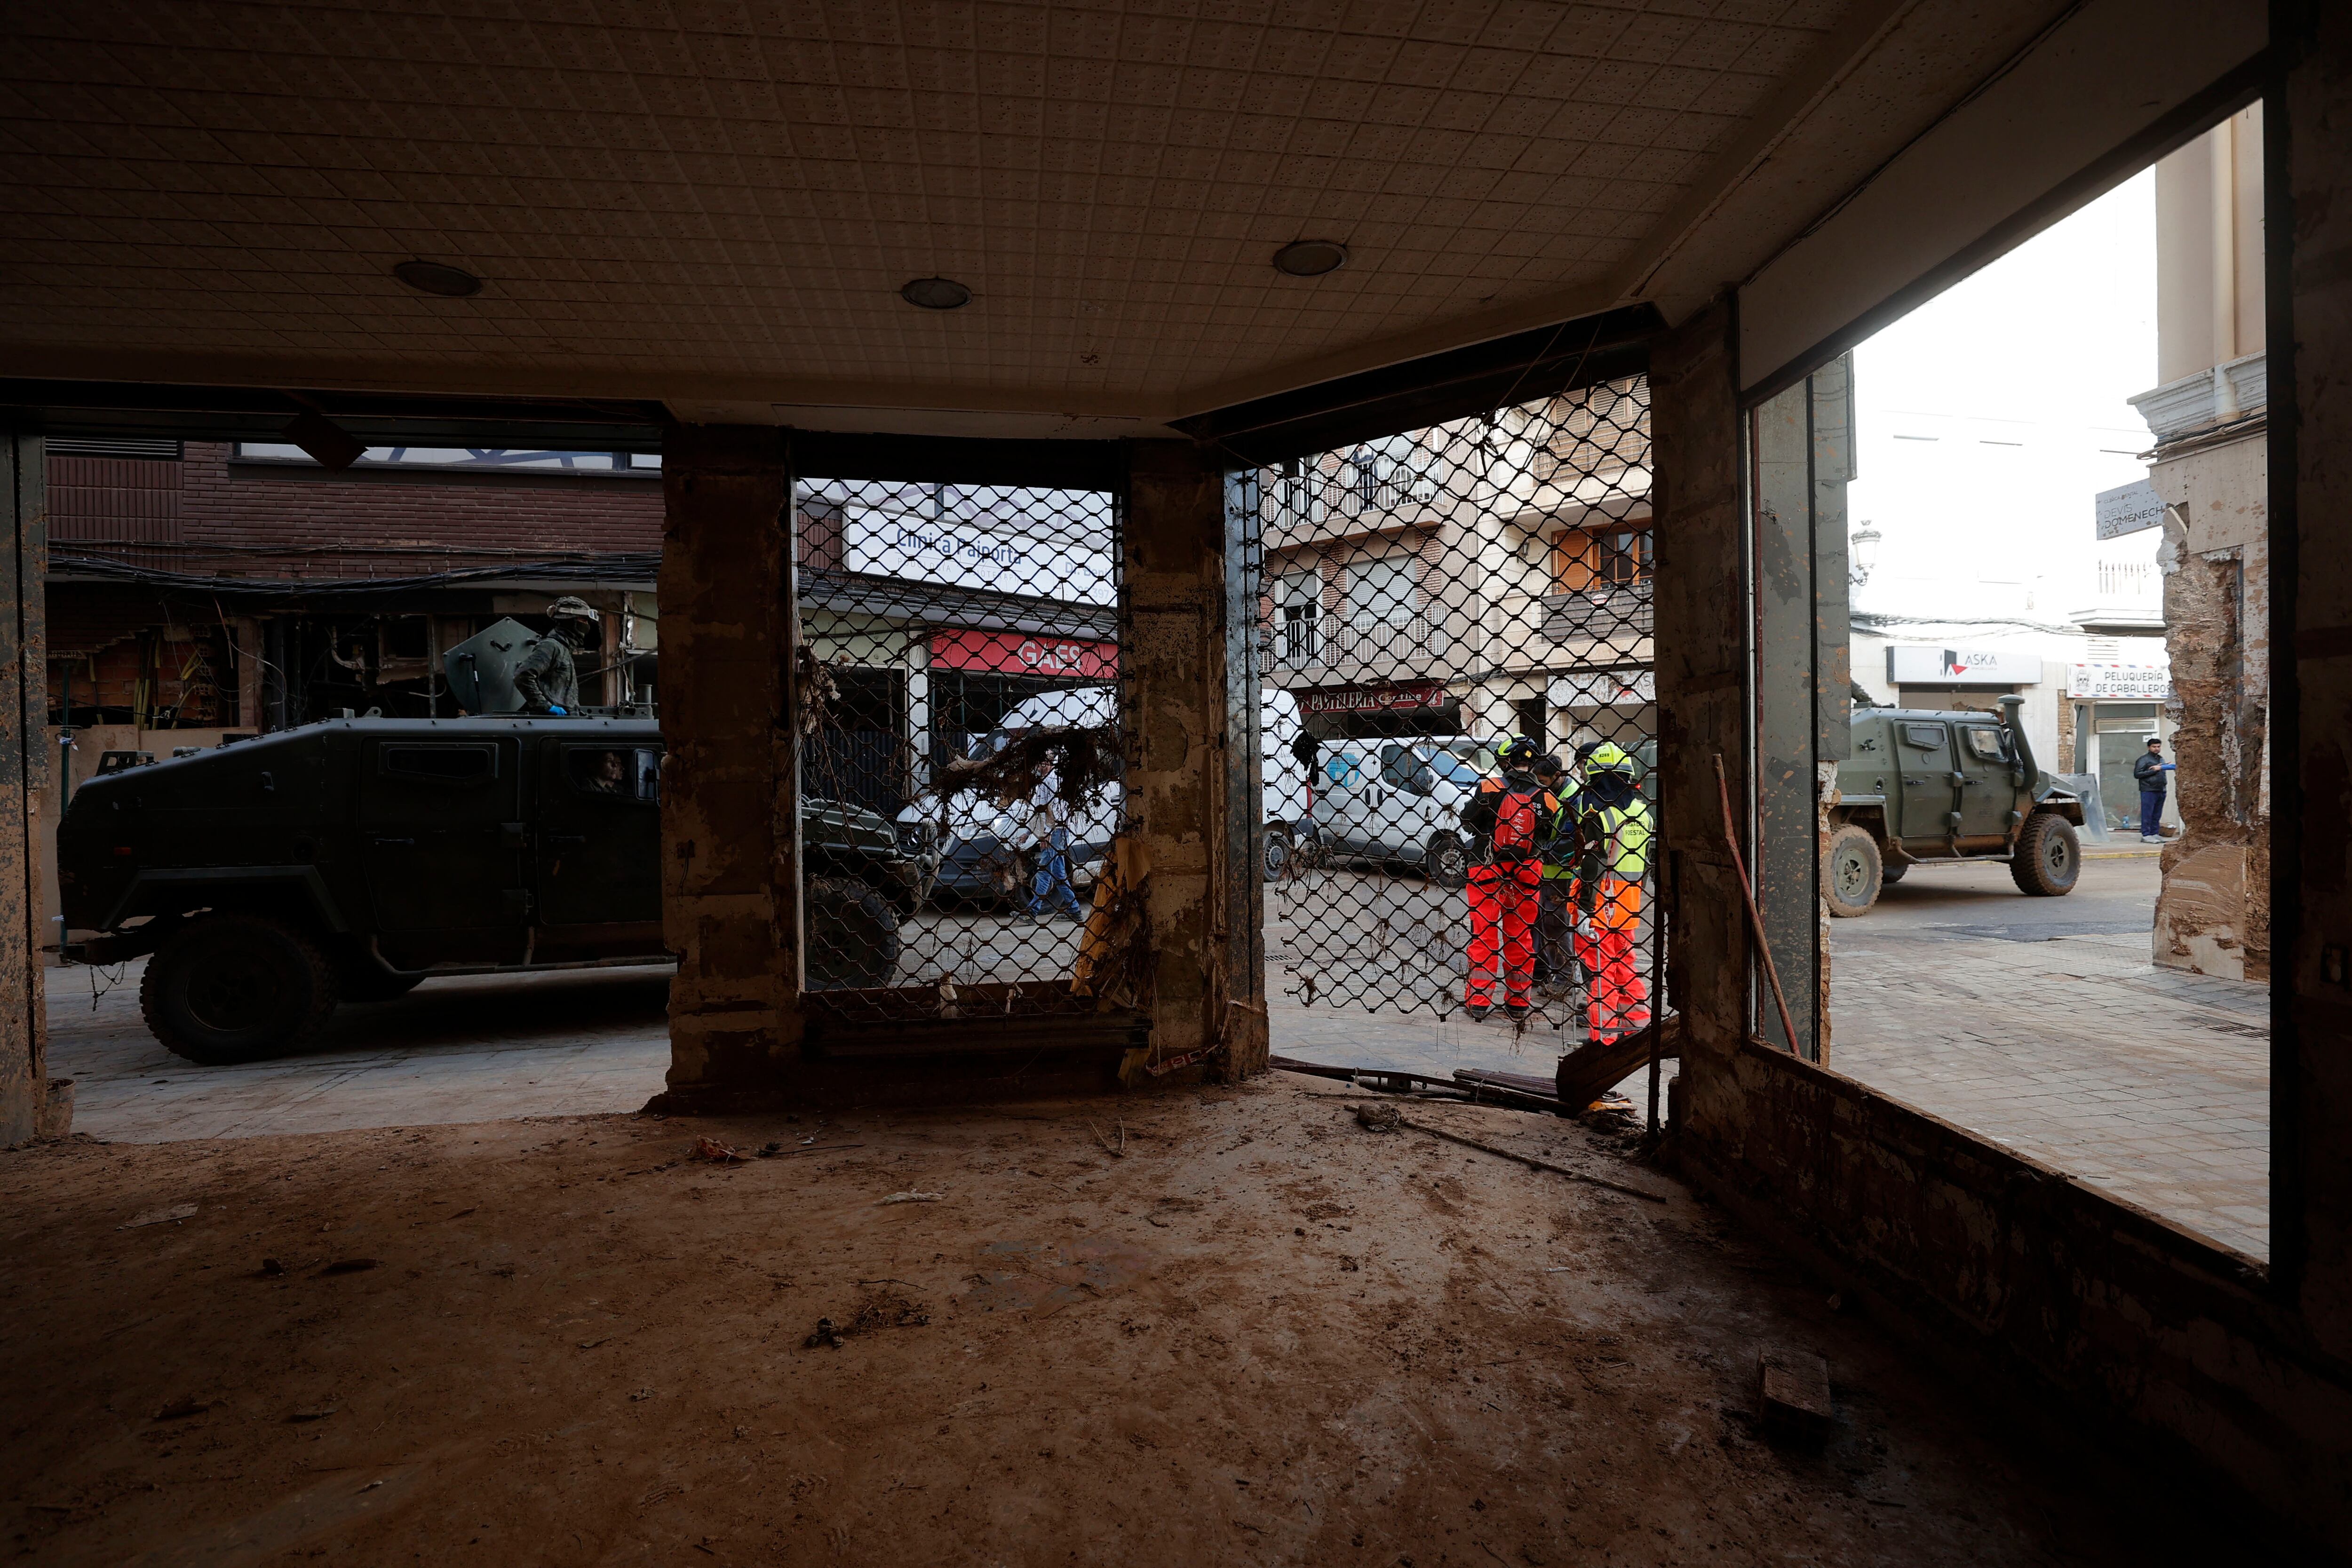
{"points": [[1612, 856], [1509, 822]]}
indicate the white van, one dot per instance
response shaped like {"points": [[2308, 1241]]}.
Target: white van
{"points": [[981, 849], [1400, 800]]}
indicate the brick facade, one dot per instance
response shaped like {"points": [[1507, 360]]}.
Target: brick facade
{"points": [[210, 515]]}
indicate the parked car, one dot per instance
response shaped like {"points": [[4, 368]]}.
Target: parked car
{"points": [[350, 859], [1929, 784], [1399, 801], [985, 851]]}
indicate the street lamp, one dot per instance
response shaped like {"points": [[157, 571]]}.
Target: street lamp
{"points": [[1863, 553]]}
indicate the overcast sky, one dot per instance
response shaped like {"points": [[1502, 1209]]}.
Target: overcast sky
{"points": [[1992, 414]]}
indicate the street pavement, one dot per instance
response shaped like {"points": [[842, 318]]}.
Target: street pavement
{"points": [[2037, 1022], [2041, 1023]]}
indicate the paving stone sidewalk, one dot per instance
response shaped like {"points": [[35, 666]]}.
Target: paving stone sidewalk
{"points": [[2151, 1084]]}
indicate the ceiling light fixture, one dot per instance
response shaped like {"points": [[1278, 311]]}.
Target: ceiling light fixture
{"points": [[936, 294], [1310, 258], [433, 278]]}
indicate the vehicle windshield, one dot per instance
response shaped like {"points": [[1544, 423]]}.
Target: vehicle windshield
{"points": [[1452, 769]]}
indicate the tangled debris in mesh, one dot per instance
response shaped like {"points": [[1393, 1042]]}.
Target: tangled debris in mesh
{"points": [[1082, 760]]}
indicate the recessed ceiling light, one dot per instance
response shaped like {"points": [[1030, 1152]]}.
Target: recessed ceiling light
{"points": [[432, 278], [936, 294], [1310, 258]]}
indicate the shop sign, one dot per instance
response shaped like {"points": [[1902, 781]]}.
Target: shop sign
{"points": [[1604, 689], [1053, 558], [1375, 699], [1017, 653], [1914, 665], [2128, 509], [2131, 682]]}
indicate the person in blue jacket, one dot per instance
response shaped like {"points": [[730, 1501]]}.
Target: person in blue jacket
{"points": [[2150, 771]]}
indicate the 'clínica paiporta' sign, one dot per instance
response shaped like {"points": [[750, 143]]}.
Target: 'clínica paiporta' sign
{"points": [[2128, 509]]}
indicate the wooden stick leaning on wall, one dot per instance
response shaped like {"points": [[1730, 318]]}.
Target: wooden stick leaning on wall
{"points": [[1755, 920]]}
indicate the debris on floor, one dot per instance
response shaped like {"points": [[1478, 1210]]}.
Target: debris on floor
{"points": [[1793, 1394], [1257, 1336]]}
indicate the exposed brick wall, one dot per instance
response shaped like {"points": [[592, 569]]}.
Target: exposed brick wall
{"points": [[244, 519]]}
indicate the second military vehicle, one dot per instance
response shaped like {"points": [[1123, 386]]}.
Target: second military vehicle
{"points": [[350, 859], [1926, 784]]}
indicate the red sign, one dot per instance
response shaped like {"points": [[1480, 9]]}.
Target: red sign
{"points": [[1017, 653], [1375, 698]]}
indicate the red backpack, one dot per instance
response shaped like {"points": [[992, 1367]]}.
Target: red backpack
{"points": [[1518, 819]]}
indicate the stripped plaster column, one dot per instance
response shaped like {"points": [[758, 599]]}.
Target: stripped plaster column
{"points": [[23, 770], [728, 639], [1702, 645], [1190, 722]]}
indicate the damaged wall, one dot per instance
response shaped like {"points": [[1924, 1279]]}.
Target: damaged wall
{"points": [[2214, 913], [2185, 1352]]}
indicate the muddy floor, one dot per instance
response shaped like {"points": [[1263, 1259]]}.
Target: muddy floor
{"points": [[1261, 1334]]}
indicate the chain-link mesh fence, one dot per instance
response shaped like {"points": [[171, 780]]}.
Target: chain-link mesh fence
{"points": [[1427, 600], [958, 743]]}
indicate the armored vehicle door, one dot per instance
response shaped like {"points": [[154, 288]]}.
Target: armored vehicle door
{"points": [[1923, 754], [1987, 794], [598, 855], [441, 837]]}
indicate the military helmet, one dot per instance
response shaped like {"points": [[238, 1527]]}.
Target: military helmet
{"points": [[1607, 758], [571, 607]]}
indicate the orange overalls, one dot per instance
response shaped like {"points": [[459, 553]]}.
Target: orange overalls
{"points": [[1510, 820]]}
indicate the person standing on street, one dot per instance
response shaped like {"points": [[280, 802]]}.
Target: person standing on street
{"points": [[1049, 825], [1509, 822], [2149, 770], [1553, 953], [1612, 857]]}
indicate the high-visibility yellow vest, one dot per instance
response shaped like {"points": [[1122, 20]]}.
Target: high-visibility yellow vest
{"points": [[1623, 833]]}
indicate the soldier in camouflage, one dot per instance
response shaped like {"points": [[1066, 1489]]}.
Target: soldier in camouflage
{"points": [[546, 679]]}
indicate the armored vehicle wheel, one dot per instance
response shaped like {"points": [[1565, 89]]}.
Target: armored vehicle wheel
{"points": [[852, 937], [1852, 873], [236, 988], [1278, 852], [2049, 856], [1446, 862]]}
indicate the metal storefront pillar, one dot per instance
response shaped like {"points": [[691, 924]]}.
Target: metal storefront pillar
{"points": [[1191, 725], [728, 639], [1804, 456]]}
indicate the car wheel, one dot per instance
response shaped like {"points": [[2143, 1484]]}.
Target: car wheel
{"points": [[1279, 853], [1851, 872], [852, 937], [1445, 862], [228, 989], [2049, 857]]}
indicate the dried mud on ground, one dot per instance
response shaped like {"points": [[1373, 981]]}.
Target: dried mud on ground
{"points": [[1263, 1334]]}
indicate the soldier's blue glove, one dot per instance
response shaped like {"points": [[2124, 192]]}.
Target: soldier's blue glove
{"points": [[553, 707]]}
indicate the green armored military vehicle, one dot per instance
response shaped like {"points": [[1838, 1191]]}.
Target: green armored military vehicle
{"points": [[350, 859], [1933, 785]]}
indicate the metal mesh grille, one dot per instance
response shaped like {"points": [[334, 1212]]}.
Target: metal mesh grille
{"points": [[958, 741], [1423, 598]]}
